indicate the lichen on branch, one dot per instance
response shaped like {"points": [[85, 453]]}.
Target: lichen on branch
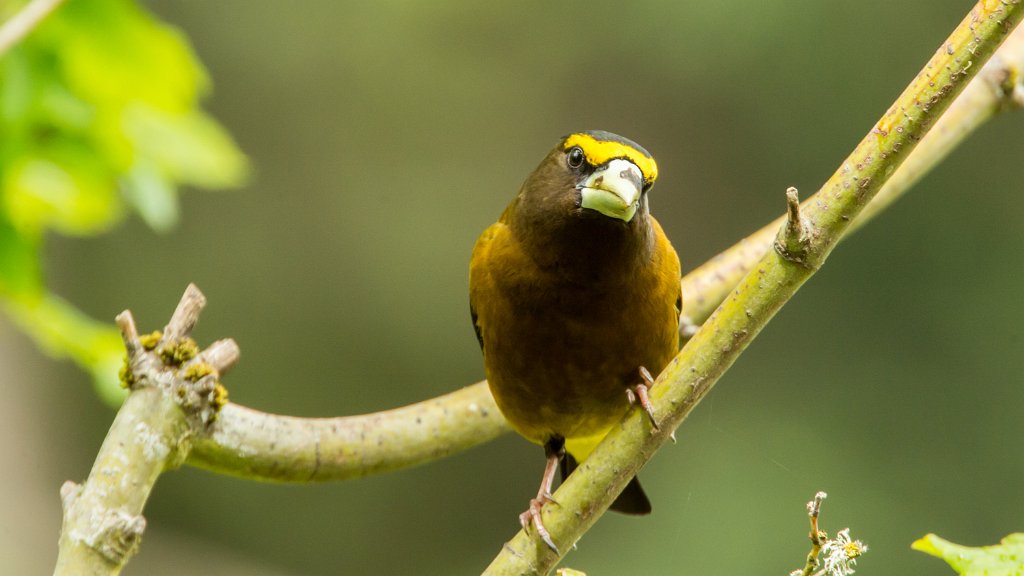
{"points": [[175, 395]]}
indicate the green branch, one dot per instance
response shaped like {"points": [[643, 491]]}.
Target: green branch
{"points": [[260, 446], [773, 280]]}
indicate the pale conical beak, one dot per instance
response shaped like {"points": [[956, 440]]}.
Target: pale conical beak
{"points": [[613, 189]]}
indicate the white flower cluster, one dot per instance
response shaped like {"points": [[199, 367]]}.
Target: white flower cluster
{"points": [[840, 554]]}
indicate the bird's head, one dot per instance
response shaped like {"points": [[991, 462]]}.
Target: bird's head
{"points": [[592, 173]]}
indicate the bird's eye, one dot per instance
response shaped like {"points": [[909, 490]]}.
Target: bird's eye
{"points": [[575, 157]]}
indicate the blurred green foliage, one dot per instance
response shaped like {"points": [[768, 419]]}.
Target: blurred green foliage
{"points": [[99, 116], [1003, 559]]}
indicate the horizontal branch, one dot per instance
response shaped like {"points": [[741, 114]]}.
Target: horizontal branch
{"points": [[260, 446], [256, 445]]}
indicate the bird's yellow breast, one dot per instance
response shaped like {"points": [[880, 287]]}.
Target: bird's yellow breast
{"points": [[558, 356]]}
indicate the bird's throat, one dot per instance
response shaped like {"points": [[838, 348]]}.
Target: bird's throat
{"points": [[589, 247]]}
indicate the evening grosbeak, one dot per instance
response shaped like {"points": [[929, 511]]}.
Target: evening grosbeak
{"points": [[575, 296]]}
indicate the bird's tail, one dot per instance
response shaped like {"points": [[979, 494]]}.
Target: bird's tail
{"points": [[631, 501]]}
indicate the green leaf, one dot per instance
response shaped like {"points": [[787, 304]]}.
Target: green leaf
{"points": [[113, 52], [64, 187], [62, 331], [19, 262], [1003, 559], [99, 110], [152, 196], [108, 76], [190, 148], [16, 92]]}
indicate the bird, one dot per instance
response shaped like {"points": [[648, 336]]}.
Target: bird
{"points": [[575, 297]]}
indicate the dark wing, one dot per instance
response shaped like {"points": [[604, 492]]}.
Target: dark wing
{"points": [[476, 327], [479, 276]]}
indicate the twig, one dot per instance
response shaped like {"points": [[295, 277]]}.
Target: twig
{"points": [[186, 315], [589, 491], [222, 355], [837, 556], [19, 25], [129, 333], [172, 399], [817, 536], [795, 235]]}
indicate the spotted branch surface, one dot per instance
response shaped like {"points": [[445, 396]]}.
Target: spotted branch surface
{"points": [[175, 395], [771, 282], [256, 445]]}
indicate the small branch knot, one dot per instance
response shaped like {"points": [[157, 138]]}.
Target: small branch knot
{"points": [[794, 238], [69, 492], [171, 360], [1013, 87], [119, 536], [814, 506], [113, 533]]}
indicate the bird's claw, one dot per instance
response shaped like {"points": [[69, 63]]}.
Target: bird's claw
{"points": [[638, 394], [532, 519], [548, 497]]}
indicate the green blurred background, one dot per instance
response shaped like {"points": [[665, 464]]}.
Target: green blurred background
{"points": [[385, 136]]}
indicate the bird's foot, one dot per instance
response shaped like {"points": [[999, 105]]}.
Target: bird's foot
{"points": [[638, 394], [531, 520]]}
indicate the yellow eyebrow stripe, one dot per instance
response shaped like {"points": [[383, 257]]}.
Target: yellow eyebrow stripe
{"points": [[600, 151]]}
